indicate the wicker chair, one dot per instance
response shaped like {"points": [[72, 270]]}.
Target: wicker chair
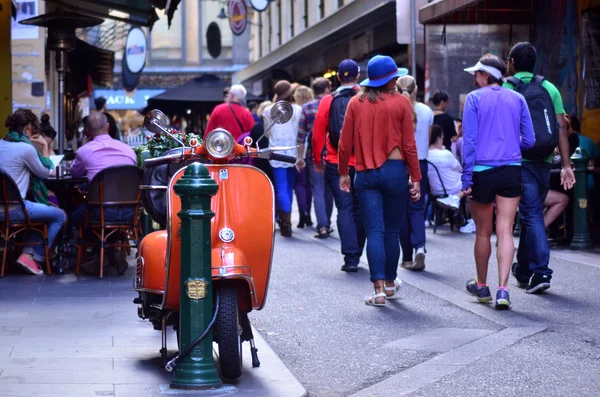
{"points": [[113, 187], [10, 198]]}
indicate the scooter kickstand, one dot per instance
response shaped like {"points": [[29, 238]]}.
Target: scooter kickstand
{"points": [[254, 353]]}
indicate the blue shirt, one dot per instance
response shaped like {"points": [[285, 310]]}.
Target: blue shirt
{"points": [[496, 127]]}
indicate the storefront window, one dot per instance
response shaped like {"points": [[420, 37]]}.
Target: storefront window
{"points": [[167, 43]]}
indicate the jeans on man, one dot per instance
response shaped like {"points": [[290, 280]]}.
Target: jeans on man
{"points": [[383, 193], [322, 195], [533, 254], [54, 217], [349, 219], [284, 187], [412, 231]]}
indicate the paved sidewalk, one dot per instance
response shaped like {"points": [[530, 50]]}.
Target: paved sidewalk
{"points": [[64, 337]]}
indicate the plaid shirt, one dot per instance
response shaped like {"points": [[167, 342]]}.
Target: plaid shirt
{"points": [[307, 119]]}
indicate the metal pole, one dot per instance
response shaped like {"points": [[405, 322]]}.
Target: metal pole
{"points": [[413, 37], [197, 370], [61, 65], [581, 226]]}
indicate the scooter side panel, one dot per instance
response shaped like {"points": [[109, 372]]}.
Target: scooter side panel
{"points": [[244, 203], [152, 271]]}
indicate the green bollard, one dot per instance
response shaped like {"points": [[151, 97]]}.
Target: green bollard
{"points": [[581, 236], [197, 370]]}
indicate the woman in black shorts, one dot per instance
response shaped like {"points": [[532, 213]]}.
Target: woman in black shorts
{"points": [[496, 127]]}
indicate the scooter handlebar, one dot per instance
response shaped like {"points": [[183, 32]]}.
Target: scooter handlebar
{"points": [[286, 158], [162, 160]]}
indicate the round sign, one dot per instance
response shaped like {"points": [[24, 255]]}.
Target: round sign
{"points": [[135, 50], [213, 40], [259, 5], [237, 16]]}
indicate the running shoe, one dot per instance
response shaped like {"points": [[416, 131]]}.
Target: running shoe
{"points": [[29, 265], [427, 223], [469, 227], [419, 259], [502, 300], [538, 284], [407, 265], [482, 293], [513, 271], [451, 201]]}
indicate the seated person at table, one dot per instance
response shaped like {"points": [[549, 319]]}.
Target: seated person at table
{"points": [[49, 135], [27, 166], [99, 153], [448, 167]]}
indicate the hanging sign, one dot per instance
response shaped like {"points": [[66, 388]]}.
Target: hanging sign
{"points": [[237, 16], [260, 5], [134, 58]]}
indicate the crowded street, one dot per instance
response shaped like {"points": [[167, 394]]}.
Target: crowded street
{"points": [[433, 341], [284, 198]]}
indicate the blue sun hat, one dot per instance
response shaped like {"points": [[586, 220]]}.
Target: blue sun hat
{"points": [[380, 70]]}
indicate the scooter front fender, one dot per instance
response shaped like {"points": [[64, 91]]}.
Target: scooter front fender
{"points": [[229, 263], [151, 273]]}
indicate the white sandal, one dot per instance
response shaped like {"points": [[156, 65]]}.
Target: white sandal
{"points": [[370, 300], [394, 289]]}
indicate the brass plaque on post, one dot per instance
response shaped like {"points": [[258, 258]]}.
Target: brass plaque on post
{"points": [[196, 288]]}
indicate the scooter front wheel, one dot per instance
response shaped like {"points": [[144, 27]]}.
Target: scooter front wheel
{"points": [[227, 329]]}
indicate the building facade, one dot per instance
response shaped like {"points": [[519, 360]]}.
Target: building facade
{"points": [[299, 40]]}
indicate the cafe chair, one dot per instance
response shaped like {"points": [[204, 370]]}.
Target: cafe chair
{"points": [[113, 187], [10, 198]]}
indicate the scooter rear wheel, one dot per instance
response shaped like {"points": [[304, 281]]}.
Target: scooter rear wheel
{"points": [[227, 327]]}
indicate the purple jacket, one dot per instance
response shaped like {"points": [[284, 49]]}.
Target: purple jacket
{"points": [[496, 127]]}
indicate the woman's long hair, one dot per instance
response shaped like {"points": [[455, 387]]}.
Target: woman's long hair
{"points": [[373, 94], [303, 95], [407, 85], [20, 119]]}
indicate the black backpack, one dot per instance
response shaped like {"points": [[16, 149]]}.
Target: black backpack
{"points": [[543, 117], [337, 112]]}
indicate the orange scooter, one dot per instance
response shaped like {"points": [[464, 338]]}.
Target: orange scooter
{"points": [[242, 235]]}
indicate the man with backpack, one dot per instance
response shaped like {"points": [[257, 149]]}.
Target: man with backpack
{"points": [[547, 114], [326, 136]]}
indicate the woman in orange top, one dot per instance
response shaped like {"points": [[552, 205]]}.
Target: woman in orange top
{"points": [[378, 129]]}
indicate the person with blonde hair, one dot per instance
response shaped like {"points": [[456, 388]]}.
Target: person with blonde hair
{"points": [[303, 95], [412, 232]]}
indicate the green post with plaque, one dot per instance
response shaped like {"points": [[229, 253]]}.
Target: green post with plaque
{"points": [[197, 370], [581, 225]]}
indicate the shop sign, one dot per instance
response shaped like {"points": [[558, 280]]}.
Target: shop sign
{"points": [[121, 100], [260, 5], [135, 49], [237, 16]]}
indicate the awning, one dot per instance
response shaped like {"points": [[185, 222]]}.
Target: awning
{"points": [[465, 12], [135, 12], [89, 64], [348, 22]]}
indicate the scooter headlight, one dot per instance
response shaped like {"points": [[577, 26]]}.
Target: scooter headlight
{"points": [[219, 143]]}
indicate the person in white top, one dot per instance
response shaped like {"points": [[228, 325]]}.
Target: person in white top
{"points": [[284, 135], [449, 170], [412, 232]]}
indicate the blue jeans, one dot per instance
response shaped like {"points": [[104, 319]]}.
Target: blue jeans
{"points": [[533, 254], [284, 186], [383, 194], [349, 220], [322, 194], [412, 231], [54, 217], [110, 215]]}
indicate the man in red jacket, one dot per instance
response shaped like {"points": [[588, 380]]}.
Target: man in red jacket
{"points": [[349, 221], [232, 115]]}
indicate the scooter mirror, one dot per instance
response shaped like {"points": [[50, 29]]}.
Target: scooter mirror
{"points": [[281, 112], [154, 120]]}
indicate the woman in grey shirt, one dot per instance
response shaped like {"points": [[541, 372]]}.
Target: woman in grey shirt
{"points": [[25, 165]]}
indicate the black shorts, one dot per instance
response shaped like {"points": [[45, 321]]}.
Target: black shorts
{"points": [[502, 181]]}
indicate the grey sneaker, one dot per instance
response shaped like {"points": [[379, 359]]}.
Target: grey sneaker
{"points": [[419, 259], [482, 293]]}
